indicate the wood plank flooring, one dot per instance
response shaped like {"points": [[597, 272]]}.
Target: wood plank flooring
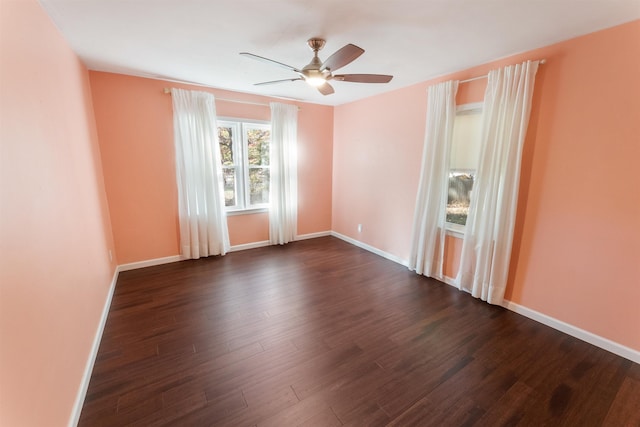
{"points": [[322, 333]]}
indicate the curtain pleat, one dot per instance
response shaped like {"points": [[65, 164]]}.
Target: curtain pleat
{"points": [[486, 249], [202, 216], [428, 233], [283, 196]]}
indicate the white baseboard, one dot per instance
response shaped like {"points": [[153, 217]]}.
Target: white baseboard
{"points": [[251, 245], [235, 248], [370, 248], [150, 263], [313, 235], [264, 243], [574, 331], [86, 377]]}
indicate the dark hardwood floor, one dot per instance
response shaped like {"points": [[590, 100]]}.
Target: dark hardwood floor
{"points": [[322, 333]]}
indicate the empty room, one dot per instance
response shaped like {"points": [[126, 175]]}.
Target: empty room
{"points": [[296, 213]]}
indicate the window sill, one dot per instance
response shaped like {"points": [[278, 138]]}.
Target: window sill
{"points": [[455, 230], [247, 211]]}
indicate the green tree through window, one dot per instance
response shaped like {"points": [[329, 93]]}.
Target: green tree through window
{"points": [[244, 151]]}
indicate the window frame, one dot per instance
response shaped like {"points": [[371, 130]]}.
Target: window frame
{"points": [[240, 150], [458, 230]]}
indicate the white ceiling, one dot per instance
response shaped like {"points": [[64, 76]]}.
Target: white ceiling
{"points": [[199, 40]]}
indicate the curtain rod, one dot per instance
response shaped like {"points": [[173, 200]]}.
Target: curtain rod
{"points": [[542, 61], [168, 90]]}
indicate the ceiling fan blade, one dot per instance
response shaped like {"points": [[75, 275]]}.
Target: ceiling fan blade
{"points": [[363, 78], [277, 81], [326, 89], [270, 61], [342, 57]]}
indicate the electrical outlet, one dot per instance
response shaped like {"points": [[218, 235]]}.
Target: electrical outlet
{"points": [[359, 228]]}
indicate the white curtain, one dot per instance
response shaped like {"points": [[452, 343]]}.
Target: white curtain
{"points": [[427, 245], [283, 183], [486, 249], [203, 222]]}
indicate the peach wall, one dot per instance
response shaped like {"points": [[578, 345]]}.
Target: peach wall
{"points": [[376, 163], [579, 231], [54, 226], [135, 125], [451, 259], [136, 146], [577, 240]]}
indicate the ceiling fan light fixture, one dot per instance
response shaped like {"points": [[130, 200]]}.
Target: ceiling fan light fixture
{"points": [[315, 81], [312, 74]]}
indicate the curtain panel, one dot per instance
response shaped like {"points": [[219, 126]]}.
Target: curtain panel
{"points": [[487, 244], [428, 233], [283, 182], [202, 216]]}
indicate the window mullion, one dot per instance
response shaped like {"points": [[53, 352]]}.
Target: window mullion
{"points": [[239, 162], [245, 167]]}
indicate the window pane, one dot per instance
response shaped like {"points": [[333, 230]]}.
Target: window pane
{"points": [[258, 146], [465, 146], [229, 178], [463, 161], [225, 136], [460, 186], [258, 185]]}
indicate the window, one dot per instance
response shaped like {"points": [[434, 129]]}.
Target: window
{"points": [[463, 161], [244, 150]]}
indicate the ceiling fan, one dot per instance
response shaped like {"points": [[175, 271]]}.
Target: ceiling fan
{"points": [[318, 74]]}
